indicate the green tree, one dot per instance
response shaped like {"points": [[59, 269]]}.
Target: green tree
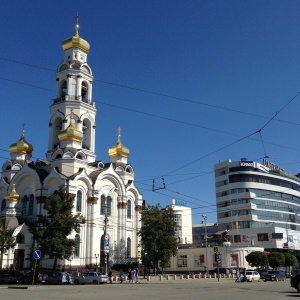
{"points": [[290, 260], [158, 235], [276, 260], [257, 259], [51, 231], [7, 241]]}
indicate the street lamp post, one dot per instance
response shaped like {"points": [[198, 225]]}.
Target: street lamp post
{"points": [[226, 245], [206, 258], [96, 256], [71, 258]]}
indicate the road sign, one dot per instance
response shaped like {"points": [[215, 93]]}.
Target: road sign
{"points": [[37, 254], [106, 246]]}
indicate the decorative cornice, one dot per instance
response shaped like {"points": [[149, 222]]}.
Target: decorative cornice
{"points": [[138, 208], [41, 199], [122, 205], [92, 200], [71, 196]]}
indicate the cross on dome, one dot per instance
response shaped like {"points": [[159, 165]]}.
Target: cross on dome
{"points": [[77, 24]]}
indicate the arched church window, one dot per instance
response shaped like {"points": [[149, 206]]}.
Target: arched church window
{"points": [[63, 90], [24, 205], [129, 209], [87, 134], [58, 156], [84, 90], [3, 204], [102, 205], [128, 248], [109, 201], [31, 203], [78, 156], [79, 201], [77, 246], [105, 205], [84, 145], [20, 238]]}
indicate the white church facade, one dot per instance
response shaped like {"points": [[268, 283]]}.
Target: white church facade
{"points": [[101, 191]]}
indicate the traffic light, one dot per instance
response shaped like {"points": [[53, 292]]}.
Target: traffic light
{"points": [[216, 249], [139, 252], [216, 256]]}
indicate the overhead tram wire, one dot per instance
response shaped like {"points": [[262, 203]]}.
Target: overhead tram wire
{"points": [[164, 95], [154, 93], [258, 131]]}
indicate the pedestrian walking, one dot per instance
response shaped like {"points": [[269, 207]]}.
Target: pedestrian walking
{"points": [[133, 277], [137, 275], [121, 274], [238, 276], [110, 276], [129, 275]]}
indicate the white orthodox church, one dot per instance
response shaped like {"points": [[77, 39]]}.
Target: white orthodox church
{"points": [[102, 191]]}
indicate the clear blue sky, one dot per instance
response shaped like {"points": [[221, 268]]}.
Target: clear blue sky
{"points": [[187, 81]]}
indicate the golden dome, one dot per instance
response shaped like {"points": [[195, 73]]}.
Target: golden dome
{"points": [[118, 149], [13, 196], [76, 41], [21, 146], [70, 133]]}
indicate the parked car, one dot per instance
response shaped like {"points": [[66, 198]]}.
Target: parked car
{"points": [[89, 278], [274, 275], [287, 274], [295, 279], [59, 278], [252, 276], [103, 277], [7, 278], [215, 271], [263, 272], [28, 278]]}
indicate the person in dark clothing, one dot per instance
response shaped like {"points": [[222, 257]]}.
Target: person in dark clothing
{"points": [[121, 275], [110, 276]]}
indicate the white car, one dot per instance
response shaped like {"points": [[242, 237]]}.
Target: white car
{"points": [[252, 276], [90, 277]]}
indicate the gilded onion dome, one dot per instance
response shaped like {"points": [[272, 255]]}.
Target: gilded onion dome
{"points": [[76, 41], [21, 146], [70, 133], [118, 149], [13, 195]]}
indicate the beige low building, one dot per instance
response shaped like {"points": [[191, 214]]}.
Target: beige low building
{"points": [[191, 258]]}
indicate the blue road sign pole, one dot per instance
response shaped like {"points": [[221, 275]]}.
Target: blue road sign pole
{"points": [[36, 255]]}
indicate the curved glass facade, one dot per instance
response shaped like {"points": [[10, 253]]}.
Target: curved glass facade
{"points": [[269, 197]]}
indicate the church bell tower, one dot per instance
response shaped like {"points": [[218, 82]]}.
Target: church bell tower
{"points": [[73, 113]]}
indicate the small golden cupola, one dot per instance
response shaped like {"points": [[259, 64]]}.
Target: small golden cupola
{"points": [[71, 133], [11, 203], [118, 150], [76, 41], [21, 149], [13, 195]]}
